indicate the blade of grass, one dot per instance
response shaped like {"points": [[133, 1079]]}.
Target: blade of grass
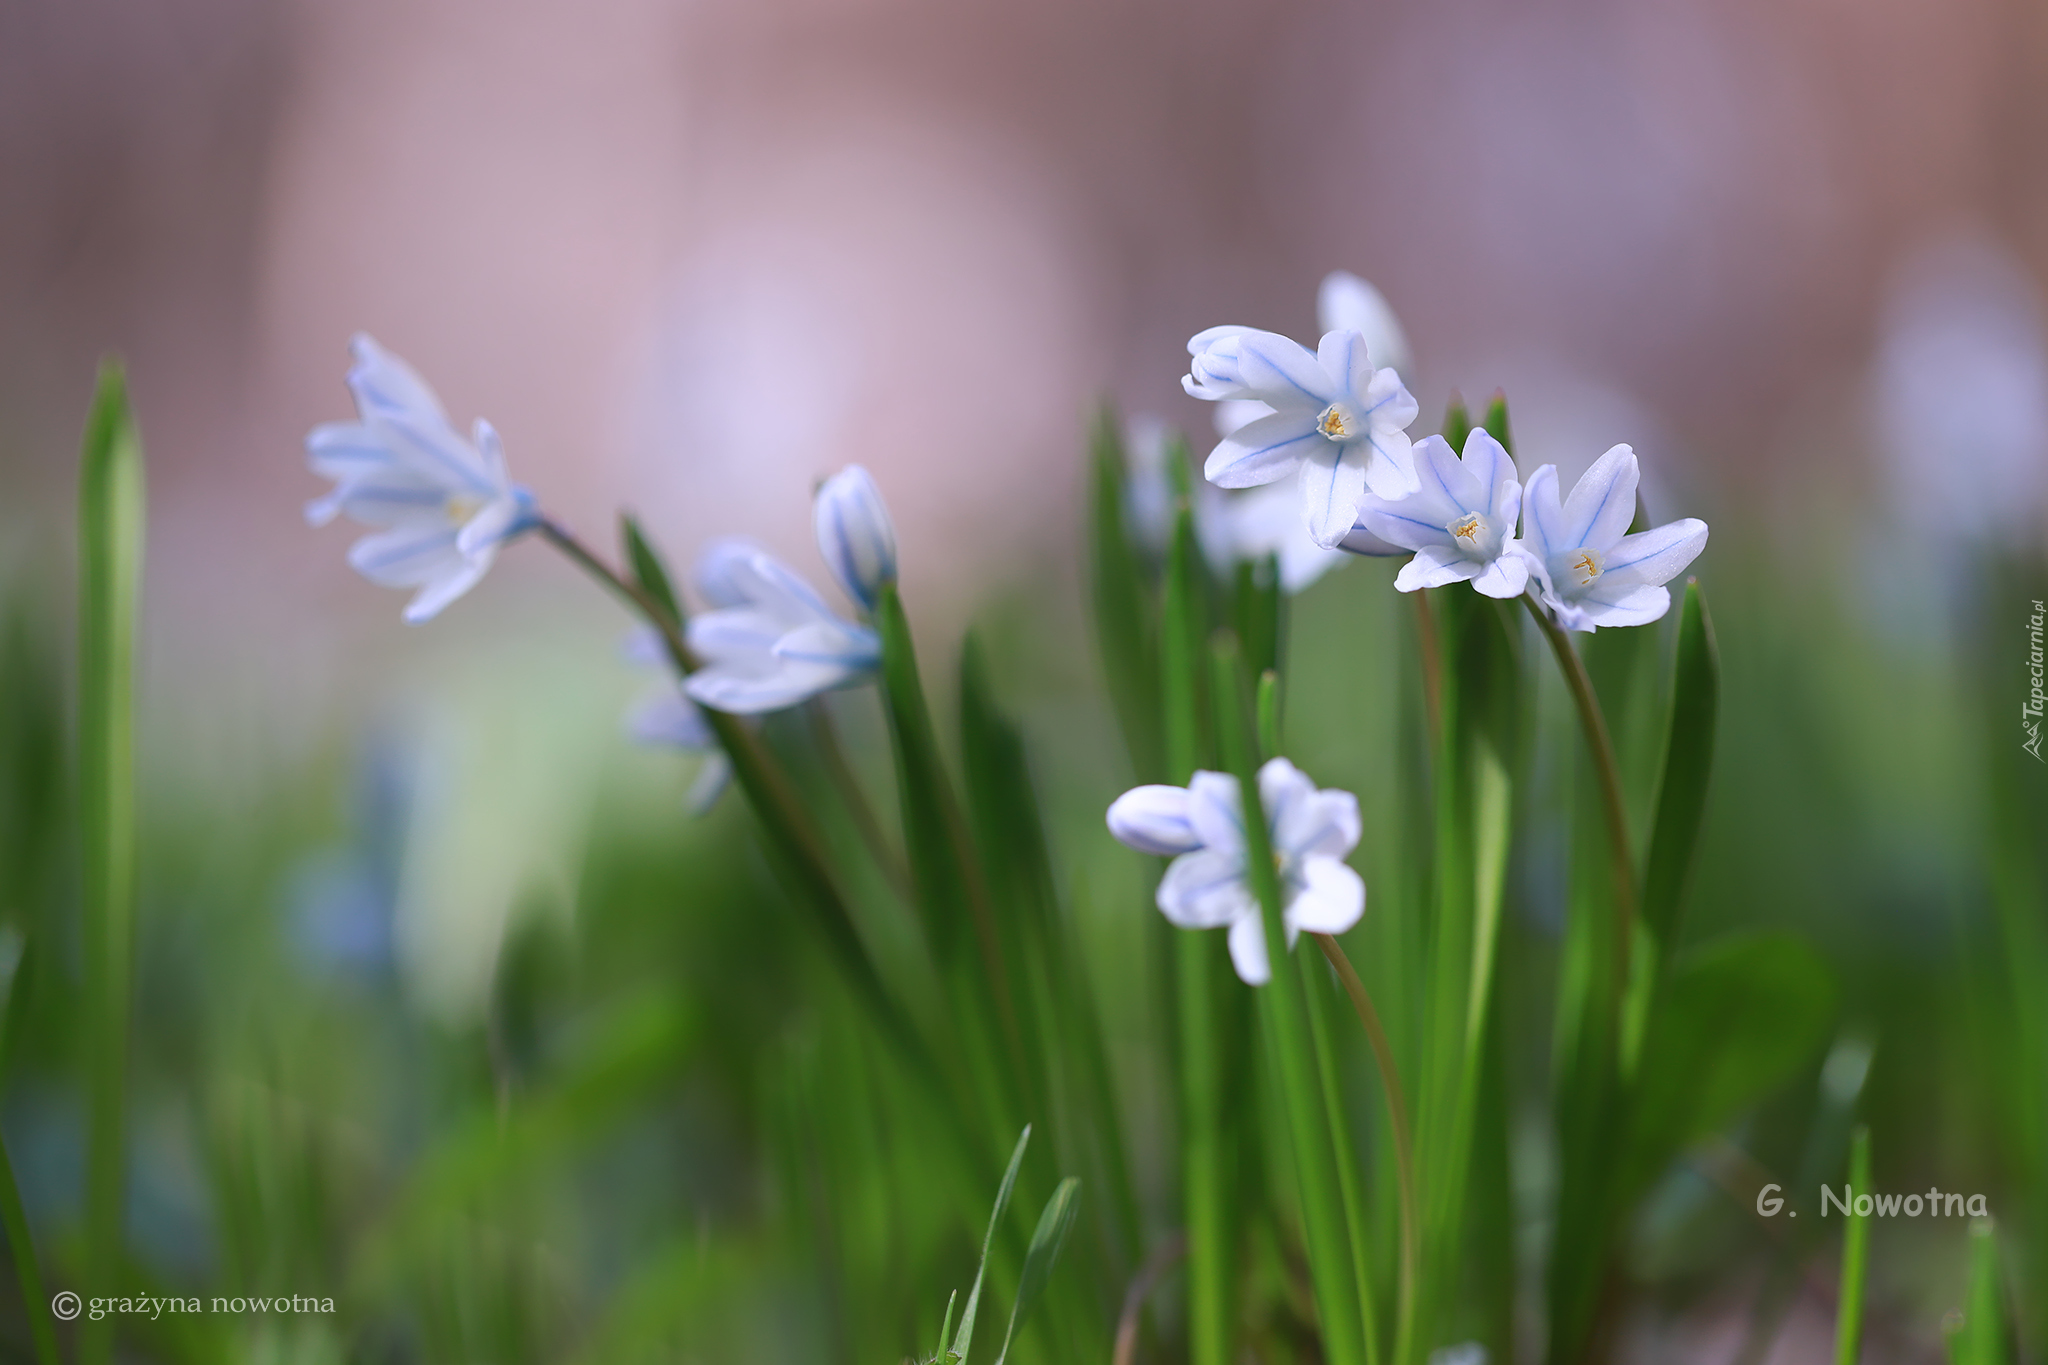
{"points": [[1054, 1223], [1283, 1015], [110, 535], [964, 1338], [13, 1217], [1855, 1256]]}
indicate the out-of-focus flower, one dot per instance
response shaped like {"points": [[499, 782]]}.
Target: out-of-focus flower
{"points": [[1591, 572], [855, 534], [444, 504], [1346, 303], [1201, 826], [772, 642], [1335, 419], [1460, 523], [670, 720]]}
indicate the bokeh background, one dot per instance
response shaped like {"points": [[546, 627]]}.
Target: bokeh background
{"points": [[690, 257]]}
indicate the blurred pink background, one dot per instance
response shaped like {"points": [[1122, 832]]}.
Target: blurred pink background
{"points": [[691, 257]]}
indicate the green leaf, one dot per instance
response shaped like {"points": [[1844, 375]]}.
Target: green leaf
{"points": [[1855, 1256], [1457, 422], [1184, 618], [644, 562], [1497, 421], [110, 536], [1980, 1334], [1688, 766], [964, 1338], [1123, 627], [1258, 611], [1739, 1018], [1054, 1224]]}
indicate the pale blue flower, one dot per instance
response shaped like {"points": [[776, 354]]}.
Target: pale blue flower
{"points": [[1335, 419], [772, 642], [670, 720], [1589, 570], [855, 534], [1460, 522], [1201, 826], [443, 504], [1346, 303]]}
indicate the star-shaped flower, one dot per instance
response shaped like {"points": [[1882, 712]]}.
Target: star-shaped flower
{"points": [[1201, 826], [444, 504], [1460, 522], [1589, 570], [1335, 418], [772, 642]]}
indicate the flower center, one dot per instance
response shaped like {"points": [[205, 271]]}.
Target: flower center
{"points": [[1575, 570], [461, 508], [1474, 535], [1340, 422]]}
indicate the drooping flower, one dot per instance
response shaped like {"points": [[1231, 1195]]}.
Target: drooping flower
{"points": [[1589, 570], [1460, 522], [772, 642], [1346, 303], [443, 504], [668, 719], [1335, 419], [855, 534], [1201, 826]]}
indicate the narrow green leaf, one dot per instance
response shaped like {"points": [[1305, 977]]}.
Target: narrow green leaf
{"points": [[1855, 1256], [1497, 421], [1688, 764], [1123, 628], [1054, 1223], [946, 1330], [1457, 421], [1258, 611], [1184, 627], [644, 562], [1980, 1334], [1269, 713], [964, 1338], [110, 536]]}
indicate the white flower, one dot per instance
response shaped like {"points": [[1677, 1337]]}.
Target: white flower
{"points": [[444, 504], [670, 720], [1335, 418], [1590, 571], [1201, 826], [1345, 303], [1260, 522], [855, 534], [773, 642], [1460, 523]]}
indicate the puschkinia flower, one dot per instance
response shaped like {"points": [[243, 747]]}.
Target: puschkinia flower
{"points": [[1335, 419], [855, 534], [670, 720], [772, 642], [1590, 571], [443, 504], [1201, 827], [1460, 522], [1346, 303]]}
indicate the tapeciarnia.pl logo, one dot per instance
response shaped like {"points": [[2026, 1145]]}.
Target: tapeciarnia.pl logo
{"points": [[2030, 710]]}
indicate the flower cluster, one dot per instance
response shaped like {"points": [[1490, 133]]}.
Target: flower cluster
{"points": [[1201, 827]]}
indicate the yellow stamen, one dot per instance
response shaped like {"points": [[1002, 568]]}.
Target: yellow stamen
{"points": [[1468, 526], [1332, 424]]}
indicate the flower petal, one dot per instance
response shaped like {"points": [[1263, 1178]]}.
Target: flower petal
{"points": [[734, 635], [1505, 577], [1602, 503], [855, 534], [1491, 467], [1248, 950], [1345, 360], [1205, 890], [1362, 541], [671, 720], [1390, 473], [1623, 606], [1655, 556], [1332, 484], [1331, 898], [1281, 371], [439, 592], [407, 555], [1232, 413], [346, 450], [833, 643], [1214, 811], [1448, 490], [714, 775], [1542, 518], [1154, 819], [745, 692], [1436, 566], [1319, 824], [1389, 407], [498, 522], [1264, 450], [1345, 301], [1408, 523], [716, 567]]}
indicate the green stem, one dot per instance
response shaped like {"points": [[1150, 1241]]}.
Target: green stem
{"points": [[110, 536], [1855, 1256], [1404, 1139], [825, 735], [1432, 664], [1341, 1143], [1282, 1008], [1594, 723]]}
